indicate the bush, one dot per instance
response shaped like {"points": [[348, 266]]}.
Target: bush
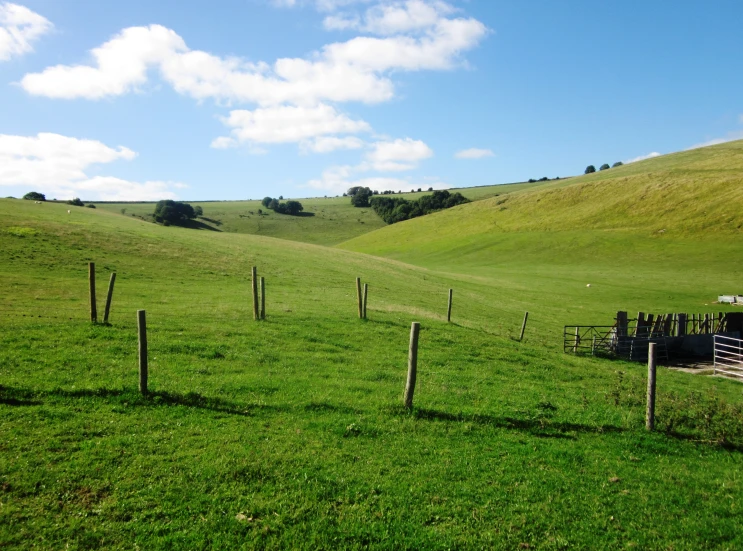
{"points": [[361, 196], [292, 208], [618, 163], [169, 212], [76, 202], [198, 211], [605, 166], [397, 209], [90, 205], [266, 201], [35, 196], [590, 169]]}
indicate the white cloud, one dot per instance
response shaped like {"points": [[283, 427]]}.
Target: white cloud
{"points": [[328, 144], [56, 164], [643, 157], [730, 137], [355, 70], [288, 124], [474, 153], [401, 154], [19, 28]]}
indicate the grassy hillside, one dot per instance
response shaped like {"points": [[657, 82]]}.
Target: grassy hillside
{"points": [[651, 235], [325, 220], [288, 433]]}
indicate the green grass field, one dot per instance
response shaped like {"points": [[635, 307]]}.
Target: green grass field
{"points": [[325, 220], [289, 432]]}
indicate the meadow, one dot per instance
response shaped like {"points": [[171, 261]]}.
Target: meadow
{"points": [[290, 432]]}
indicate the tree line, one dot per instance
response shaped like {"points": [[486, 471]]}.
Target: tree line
{"points": [[397, 209], [292, 208]]}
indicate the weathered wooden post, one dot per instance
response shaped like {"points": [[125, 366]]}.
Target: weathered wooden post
{"points": [[523, 326], [650, 411], [109, 297], [91, 285], [448, 310], [254, 285], [706, 324], [263, 298], [142, 330], [622, 324], [681, 325], [359, 298], [640, 323], [412, 365], [366, 292]]}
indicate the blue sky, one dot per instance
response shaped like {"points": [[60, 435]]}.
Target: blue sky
{"points": [[240, 99]]}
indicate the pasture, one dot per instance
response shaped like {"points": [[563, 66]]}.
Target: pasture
{"points": [[290, 432]]}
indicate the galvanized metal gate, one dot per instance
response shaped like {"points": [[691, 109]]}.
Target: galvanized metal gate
{"points": [[729, 356]]}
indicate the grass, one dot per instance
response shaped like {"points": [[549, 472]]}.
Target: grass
{"points": [[289, 432], [325, 220]]}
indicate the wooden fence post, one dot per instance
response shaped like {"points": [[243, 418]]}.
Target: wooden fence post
{"points": [[523, 326], [412, 365], [359, 298], [622, 324], [91, 285], [366, 292], [448, 310], [142, 330], [109, 297], [650, 411], [640, 323], [254, 285], [681, 325], [263, 298]]}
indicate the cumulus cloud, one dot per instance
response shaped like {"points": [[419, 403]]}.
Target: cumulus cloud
{"points": [[730, 137], [393, 18], [19, 28], [328, 144], [289, 124], [643, 157], [355, 70], [396, 155], [57, 165], [474, 153]]}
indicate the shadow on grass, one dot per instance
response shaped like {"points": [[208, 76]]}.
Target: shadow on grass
{"points": [[197, 225], [305, 214], [132, 398], [541, 427]]}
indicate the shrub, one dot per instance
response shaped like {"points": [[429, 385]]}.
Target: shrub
{"points": [[90, 205], [35, 196], [605, 166], [76, 202], [198, 211], [266, 201], [397, 209], [292, 208], [361, 197], [618, 163]]}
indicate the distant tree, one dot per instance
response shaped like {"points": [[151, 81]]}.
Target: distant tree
{"points": [[169, 212], [35, 196], [419, 189], [76, 202], [532, 180], [90, 205], [543, 179], [293, 208], [361, 197], [618, 163], [281, 197], [123, 211], [198, 211], [430, 189], [590, 169], [273, 204], [604, 167], [266, 201], [354, 190]]}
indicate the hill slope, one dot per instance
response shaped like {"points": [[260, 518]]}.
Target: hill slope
{"points": [[287, 433], [655, 204], [325, 220]]}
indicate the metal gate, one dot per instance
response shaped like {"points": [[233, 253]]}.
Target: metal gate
{"points": [[729, 356]]}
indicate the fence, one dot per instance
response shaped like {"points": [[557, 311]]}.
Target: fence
{"points": [[728, 356]]}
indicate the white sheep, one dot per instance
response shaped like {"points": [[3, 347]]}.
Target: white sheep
{"points": [[68, 212]]}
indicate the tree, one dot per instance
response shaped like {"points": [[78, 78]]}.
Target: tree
{"points": [[361, 197], [281, 197], [273, 204], [35, 196], [293, 207], [266, 201], [590, 169], [618, 163], [604, 167], [198, 211], [90, 205], [354, 190], [76, 202], [169, 212]]}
